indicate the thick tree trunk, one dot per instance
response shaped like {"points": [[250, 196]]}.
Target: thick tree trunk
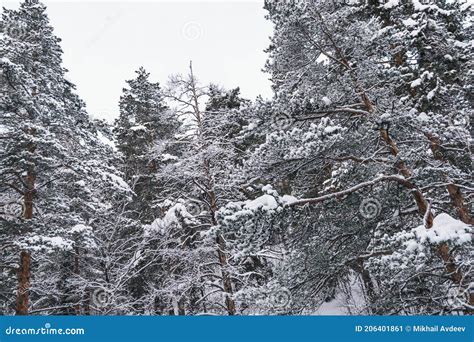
{"points": [[443, 249], [423, 208], [454, 191], [420, 200], [23, 292], [22, 299], [457, 199]]}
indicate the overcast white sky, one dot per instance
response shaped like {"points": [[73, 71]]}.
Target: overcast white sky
{"points": [[104, 41]]}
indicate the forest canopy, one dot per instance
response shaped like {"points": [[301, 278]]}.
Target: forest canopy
{"points": [[349, 191]]}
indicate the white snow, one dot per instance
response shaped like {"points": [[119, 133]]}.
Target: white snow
{"points": [[424, 76], [423, 117], [327, 101], [445, 228], [419, 7], [161, 225], [85, 235], [5, 60], [351, 303], [431, 94], [251, 126], [81, 183], [48, 242], [416, 83], [106, 141], [80, 228], [265, 202], [448, 57], [330, 129], [4, 129], [323, 59], [409, 22], [138, 128], [118, 180], [460, 44], [167, 156], [288, 199], [269, 190], [391, 4]]}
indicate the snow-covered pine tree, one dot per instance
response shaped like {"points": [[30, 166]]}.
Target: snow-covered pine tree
{"points": [[431, 53], [144, 126], [55, 173], [201, 180], [350, 188], [333, 85]]}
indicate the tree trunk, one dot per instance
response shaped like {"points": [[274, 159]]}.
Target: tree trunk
{"points": [[22, 299], [454, 191], [227, 284], [457, 199], [367, 284], [24, 272], [423, 208], [76, 271]]}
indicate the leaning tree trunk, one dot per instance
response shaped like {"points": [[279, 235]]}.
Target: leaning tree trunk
{"points": [[455, 193], [453, 271]]}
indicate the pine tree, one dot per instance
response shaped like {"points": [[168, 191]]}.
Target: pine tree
{"points": [[42, 170], [328, 86], [201, 179], [142, 130], [351, 187]]}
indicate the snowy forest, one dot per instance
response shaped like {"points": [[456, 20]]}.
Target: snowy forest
{"points": [[348, 192]]}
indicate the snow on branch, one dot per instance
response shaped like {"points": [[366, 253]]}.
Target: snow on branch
{"points": [[355, 188], [445, 228]]}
